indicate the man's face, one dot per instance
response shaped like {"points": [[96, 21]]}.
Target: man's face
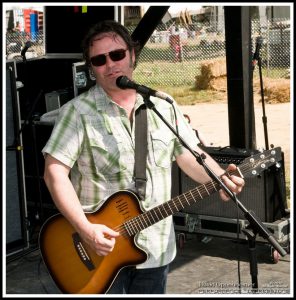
{"points": [[107, 73]]}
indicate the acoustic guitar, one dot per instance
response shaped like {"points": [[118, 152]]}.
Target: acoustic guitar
{"points": [[77, 269]]}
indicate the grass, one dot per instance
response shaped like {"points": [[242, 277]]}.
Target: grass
{"points": [[189, 95], [178, 80]]}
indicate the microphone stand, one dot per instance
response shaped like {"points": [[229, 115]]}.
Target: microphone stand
{"points": [[264, 118], [250, 235], [25, 49], [255, 224], [258, 59]]}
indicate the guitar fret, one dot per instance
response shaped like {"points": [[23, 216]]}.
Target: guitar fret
{"points": [[145, 219], [134, 226], [160, 212], [199, 194], [150, 212], [168, 205], [157, 217], [175, 206], [213, 183], [187, 200], [206, 189], [184, 195], [180, 202], [141, 223], [162, 207], [148, 219]]}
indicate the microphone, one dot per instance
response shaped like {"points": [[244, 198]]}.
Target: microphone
{"points": [[28, 44], [259, 41], [124, 83]]}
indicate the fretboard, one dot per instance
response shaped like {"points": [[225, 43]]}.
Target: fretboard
{"points": [[170, 207], [251, 166]]}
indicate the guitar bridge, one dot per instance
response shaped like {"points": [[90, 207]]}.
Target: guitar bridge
{"points": [[84, 257]]}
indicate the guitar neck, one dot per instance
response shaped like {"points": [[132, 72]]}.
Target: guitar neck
{"points": [[251, 166], [170, 207]]}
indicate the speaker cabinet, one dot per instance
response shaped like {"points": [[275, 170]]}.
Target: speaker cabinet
{"points": [[39, 201], [16, 215], [264, 194], [56, 99]]}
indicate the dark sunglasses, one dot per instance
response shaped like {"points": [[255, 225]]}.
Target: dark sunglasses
{"points": [[100, 60]]}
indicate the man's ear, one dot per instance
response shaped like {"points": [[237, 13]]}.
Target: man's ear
{"points": [[132, 59]]}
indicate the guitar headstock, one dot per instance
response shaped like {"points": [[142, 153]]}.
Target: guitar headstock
{"points": [[257, 163]]}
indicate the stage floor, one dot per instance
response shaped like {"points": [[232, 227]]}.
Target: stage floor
{"points": [[204, 265]]}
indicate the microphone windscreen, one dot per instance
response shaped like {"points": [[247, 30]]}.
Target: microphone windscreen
{"points": [[122, 82]]}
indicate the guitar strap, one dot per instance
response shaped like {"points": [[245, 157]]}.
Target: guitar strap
{"points": [[141, 149]]}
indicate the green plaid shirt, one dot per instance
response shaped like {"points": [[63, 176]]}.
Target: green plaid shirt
{"points": [[95, 138]]}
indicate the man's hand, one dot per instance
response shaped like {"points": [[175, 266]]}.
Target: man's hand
{"points": [[101, 238], [233, 182]]}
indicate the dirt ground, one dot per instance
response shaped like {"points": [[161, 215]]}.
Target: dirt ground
{"points": [[211, 119]]}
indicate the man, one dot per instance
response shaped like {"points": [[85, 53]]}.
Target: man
{"points": [[94, 138]]}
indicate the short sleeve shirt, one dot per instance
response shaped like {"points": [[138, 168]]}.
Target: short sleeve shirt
{"points": [[95, 138]]}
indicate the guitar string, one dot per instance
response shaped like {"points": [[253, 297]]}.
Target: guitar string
{"points": [[134, 223], [208, 187], [204, 189]]}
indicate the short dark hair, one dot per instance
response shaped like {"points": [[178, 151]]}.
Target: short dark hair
{"points": [[105, 27]]}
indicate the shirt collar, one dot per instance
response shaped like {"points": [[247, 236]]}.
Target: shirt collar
{"points": [[103, 100]]}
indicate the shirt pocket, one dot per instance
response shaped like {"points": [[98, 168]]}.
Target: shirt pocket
{"points": [[162, 144], [104, 150]]}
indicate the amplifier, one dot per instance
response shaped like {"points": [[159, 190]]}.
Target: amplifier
{"points": [[227, 155], [39, 201], [56, 99], [264, 194], [17, 234]]}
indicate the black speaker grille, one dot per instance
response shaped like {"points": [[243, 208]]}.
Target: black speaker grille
{"points": [[260, 193], [16, 231]]}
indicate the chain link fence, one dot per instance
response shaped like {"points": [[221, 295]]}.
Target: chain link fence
{"points": [[16, 41], [174, 57], [275, 51]]}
